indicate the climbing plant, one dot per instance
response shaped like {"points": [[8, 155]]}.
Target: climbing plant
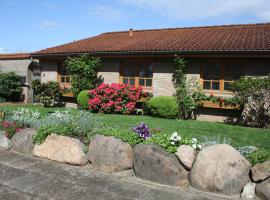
{"points": [[84, 73], [186, 100]]}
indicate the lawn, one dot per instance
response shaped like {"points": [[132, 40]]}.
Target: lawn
{"points": [[240, 136]]}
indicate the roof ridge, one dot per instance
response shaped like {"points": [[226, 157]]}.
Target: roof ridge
{"points": [[191, 27]]}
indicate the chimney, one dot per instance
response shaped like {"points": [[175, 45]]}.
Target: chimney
{"points": [[130, 32]]}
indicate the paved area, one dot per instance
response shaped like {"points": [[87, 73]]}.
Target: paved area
{"points": [[24, 177]]}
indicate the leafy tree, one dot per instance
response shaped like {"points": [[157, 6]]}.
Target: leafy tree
{"points": [[10, 87], [84, 73]]}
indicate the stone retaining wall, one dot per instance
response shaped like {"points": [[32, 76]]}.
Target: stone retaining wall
{"points": [[218, 168]]}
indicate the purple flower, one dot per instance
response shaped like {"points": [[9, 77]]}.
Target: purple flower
{"points": [[142, 130]]}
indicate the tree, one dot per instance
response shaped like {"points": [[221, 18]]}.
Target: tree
{"points": [[10, 87], [84, 73]]}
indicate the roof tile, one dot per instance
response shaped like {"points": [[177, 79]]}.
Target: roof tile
{"points": [[248, 37]]}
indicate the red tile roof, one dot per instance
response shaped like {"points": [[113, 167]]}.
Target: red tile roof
{"points": [[15, 56], [226, 38]]}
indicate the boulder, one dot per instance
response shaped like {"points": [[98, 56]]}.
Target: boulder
{"points": [[5, 143], [22, 141], [62, 149], [249, 191], [186, 154], [261, 171], [220, 169], [263, 190], [109, 154], [153, 163]]}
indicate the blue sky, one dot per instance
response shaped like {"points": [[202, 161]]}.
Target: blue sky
{"points": [[30, 25]]}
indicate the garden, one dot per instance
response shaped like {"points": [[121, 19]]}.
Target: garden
{"points": [[108, 131]]}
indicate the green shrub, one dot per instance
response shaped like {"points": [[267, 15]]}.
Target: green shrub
{"points": [[10, 87], [253, 95], [162, 106], [123, 134], [83, 98], [49, 94], [258, 156]]}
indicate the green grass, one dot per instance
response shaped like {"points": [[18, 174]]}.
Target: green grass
{"points": [[41, 109], [240, 136]]}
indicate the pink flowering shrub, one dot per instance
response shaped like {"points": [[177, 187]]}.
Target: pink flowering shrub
{"points": [[114, 98]]}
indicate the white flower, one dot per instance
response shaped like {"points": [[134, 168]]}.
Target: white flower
{"points": [[175, 134], [172, 142], [175, 137], [199, 146], [179, 138], [194, 146], [194, 140]]}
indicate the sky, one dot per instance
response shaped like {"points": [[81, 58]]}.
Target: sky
{"points": [[31, 25]]}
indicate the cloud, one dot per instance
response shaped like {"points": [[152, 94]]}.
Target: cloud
{"points": [[204, 9], [46, 24], [4, 50], [105, 12]]}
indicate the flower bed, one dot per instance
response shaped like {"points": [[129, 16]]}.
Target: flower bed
{"points": [[146, 149]]}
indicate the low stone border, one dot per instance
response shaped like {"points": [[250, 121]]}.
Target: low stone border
{"points": [[217, 168]]}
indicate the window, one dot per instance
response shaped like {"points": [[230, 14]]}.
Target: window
{"points": [[137, 74], [218, 77], [64, 73], [232, 72], [212, 76]]}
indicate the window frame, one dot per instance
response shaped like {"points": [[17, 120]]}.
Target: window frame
{"points": [[222, 80], [138, 66], [62, 78]]}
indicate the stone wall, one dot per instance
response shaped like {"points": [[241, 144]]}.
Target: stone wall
{"points": [[110, 71], [163, 75], [162, 78], [48, 70], [20, 67]]}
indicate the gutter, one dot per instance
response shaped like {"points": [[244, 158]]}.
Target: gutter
{"points": [[264, 53]]}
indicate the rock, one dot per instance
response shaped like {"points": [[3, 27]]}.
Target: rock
{"points": [[109, 154], [5, 143], [220, 169], [153, 163], [186, 154], [249, 191], [261, 171], [22, 141], [62, 149], [263, 190]]}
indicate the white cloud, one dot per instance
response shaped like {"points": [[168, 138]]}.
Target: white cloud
{"points": [[4, 50], [204, 9], [105, 12], [46, 24]]}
